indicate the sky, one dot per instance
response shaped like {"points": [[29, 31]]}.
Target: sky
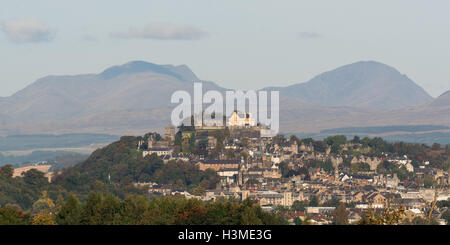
{"points": [[238, 44]]}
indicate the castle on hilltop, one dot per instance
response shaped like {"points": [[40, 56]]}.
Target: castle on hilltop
{"points": [[239, 119]]}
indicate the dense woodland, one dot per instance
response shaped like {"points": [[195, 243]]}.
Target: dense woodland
{"points": [[138, 210], [111, 170]]}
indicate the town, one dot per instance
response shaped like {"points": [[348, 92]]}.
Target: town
{"points": [[303, 179]]}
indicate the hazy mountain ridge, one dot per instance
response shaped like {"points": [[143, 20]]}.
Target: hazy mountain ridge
{"points": [[182, 72], [135, 97], [365, 84], [442, 101], [133, 86]]}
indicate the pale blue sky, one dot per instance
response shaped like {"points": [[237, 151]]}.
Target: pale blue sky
{"points": [[237, 43]]}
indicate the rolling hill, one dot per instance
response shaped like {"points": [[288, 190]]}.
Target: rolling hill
{"points": [[134, 98]]}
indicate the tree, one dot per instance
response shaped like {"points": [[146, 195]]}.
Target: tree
{"points": [[403, 173], [299, 205], [14, 216], [199, 191], [278, 139], [319, 146], [356, 139], [387, 217], [178, 138], [386, 167], [360, 167], [36, 178], [44, 204], [443, 203], [337, 140], [446, 216], [334, 202], [421, 221], [314, 202], [249, 213], [110, 210], [327, 166], [43, 218], [341, 215], [7, 171], [283, 166], [428, 181], [91, 212], [307, 141], [293, 138], [70, 213]]}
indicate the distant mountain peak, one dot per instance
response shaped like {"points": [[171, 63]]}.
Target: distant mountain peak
{"points": [[365, 67], [370, 62], [442, 100], [363, 84], [143, 66]]}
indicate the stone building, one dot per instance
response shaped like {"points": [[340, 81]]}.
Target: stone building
{"points": [[241, 120], [373, 162], [274, 198], [217, 164], [308, 147], [152, 143], [169, 134]]}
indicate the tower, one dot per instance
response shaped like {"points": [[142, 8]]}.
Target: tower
{"points": [[169, 134]]}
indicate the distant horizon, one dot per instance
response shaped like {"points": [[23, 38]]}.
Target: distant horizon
{"points": [[224, 85]]}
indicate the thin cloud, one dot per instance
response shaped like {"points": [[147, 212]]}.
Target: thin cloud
{"points": [[162, 32], [309, 35], [27, 31]]}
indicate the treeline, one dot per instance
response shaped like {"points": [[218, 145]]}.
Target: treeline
{"points": [[113, 169], [138, 210], [23, 192]]}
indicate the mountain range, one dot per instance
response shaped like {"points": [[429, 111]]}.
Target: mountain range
{"points": [[134, 98]]}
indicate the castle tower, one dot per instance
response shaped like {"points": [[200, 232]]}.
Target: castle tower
{"points": [[169, 134]]}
